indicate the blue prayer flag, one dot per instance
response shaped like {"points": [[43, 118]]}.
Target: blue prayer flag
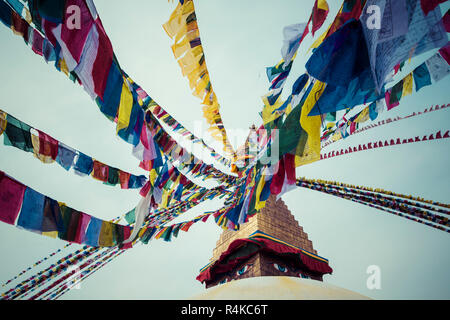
{"points": [[421, 76], [31, 214], [93, 232], [84, 164], [65, 157]]}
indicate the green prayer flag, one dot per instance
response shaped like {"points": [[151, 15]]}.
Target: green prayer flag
{"points": [[130, 217], [396, 92]]}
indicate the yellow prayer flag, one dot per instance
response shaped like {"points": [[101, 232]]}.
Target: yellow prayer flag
{"points": [[407, 85], [311, 124], [28, 17], [125, 106], [180, 48], [195, 74], [153, 176], [173, 24], [193, 34], [165, 198], [322, 4], [197, 51], [191, 26], [268, 113], [201, 86], [187, 8], [63, 66], [51, 234], [260, 204], [180, 33], [105, 238], [160, 232], [189, 62], [336, 136], [141, 232], [3, 122], [363, 116]]}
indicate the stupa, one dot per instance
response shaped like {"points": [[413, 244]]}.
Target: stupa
{"points": [[270, 257]]}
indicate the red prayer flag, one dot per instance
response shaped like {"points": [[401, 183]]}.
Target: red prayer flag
{"points": [[278, 179], [19, 26], [11, 197], [74, 37], [320, 13], [100, 171], [187, 226], [429, 5], [126, 235], [47, 145], [103, 61], [124, 178], [445, 52]]}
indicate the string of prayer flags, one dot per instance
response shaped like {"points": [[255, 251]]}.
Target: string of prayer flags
{"points": [[165, 215], [383, 122], [187, 49], [91, 269], [421, 76], [166, 232], [48, 150], [342, 62], [66, 284], [386, 143], [277, 75], [413, 33], [180, 155], [41, 278], [176, 126], [90, 59], [69, 277], [397, 206], [32, 283], [364, 83], [417, 209], [34, 278], [36, 264], [33, 211], [436, 68], [82, 260], [378, 190]]}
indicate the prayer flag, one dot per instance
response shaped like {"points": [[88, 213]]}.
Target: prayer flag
{"points": [[421, 76], [84, 164], [31, 214], [319, 15], [11, 197]]}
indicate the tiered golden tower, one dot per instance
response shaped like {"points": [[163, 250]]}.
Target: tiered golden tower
{"points": [[272, 243]]}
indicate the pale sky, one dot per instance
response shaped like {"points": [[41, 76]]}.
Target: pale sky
{"points": [[240, 39]]}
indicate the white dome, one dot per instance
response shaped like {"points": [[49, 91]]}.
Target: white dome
{"points": [[278, 288]]}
